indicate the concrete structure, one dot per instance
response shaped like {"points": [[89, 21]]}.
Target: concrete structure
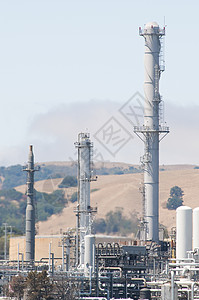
{"points": [[18, 248], [152, 128], [30, 209], [183, 231]]}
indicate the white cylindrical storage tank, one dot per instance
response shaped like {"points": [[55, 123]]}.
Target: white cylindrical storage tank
{"points": [[89, 254], [166, 291], [183, 231], [196, 228]]}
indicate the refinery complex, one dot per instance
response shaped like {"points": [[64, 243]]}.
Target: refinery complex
{"points": [[110, 267]]}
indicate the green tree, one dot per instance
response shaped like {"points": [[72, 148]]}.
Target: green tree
{"points": [[116, 222], [73, 197], [39, 286], [16, 287], [99, 225], [176, 198], [68, 181], [65, 289]]}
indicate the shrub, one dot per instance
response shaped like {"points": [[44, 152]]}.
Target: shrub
{"points": [[176, 198], [68, 181], [116, 222], [73, 197]]}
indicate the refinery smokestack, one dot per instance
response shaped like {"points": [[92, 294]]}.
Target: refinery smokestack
{"points": [[30, 209], [152, 128], [84, 210]]}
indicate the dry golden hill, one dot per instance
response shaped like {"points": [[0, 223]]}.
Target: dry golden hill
{"points": [[121, 165], [123, 191], [111, 191]]}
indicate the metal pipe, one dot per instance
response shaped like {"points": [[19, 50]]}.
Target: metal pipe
{"points": [[90, 279], [172, 286], [5, 241], [153, 268], [90, 283], [63, 254], [183, 264], [49, 260], [93, 257], [112, 268], [139, 279], [52, 264], [181, 259], [68, 255], [22, 263], [192, 290], [18, 266], [101, 289]]}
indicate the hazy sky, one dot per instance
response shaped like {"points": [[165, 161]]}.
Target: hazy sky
{"points": [[69, 66]]}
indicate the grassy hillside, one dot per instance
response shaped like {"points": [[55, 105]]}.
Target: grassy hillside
{"points": [[123, 191], [13, 176], [13, 207], [117, 188]]}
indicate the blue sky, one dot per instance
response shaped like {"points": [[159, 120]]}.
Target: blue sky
{"points": [[63, 62]]}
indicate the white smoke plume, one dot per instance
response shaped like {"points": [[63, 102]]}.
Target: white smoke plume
{"points": [[53, 134]]}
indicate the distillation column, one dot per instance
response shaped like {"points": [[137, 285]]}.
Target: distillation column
{"points": [[152, 128], [30, 209], [84, 209]]}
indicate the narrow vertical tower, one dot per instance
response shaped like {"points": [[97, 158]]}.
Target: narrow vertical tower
{"points": [[84, 209], [152, 127], [30, 209]]}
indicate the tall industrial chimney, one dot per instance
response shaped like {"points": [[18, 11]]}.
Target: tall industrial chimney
{"points": [[30, 209], [152, 128], [84, 210]]}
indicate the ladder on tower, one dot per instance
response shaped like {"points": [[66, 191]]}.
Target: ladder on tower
{"points": [[161, 55], [161, 112]]}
